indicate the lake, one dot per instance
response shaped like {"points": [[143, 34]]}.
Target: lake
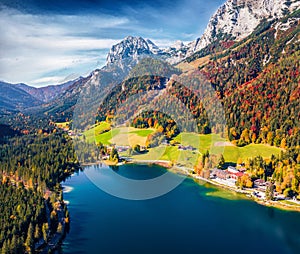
{"points": [[192, 218]]}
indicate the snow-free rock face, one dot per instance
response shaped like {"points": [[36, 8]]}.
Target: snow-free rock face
{"points": [[238, 18], [130, 47], [234, 20], [176, 52], [153, 48]]}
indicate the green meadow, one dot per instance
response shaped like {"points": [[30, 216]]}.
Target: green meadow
{"points": [[213, 143]]}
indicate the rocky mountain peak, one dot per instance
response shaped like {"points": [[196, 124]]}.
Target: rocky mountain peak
{"points": [[130, 47], [177, 45], [238, 18], [234, 20], [153, 48]]}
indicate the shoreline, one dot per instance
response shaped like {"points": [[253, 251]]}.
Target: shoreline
{"points": [[56, 238], [247, 193]]}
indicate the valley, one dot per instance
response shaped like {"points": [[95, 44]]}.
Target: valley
{"points": [[214, 123], [129, 137]]}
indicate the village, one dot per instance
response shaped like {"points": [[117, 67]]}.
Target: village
{"points": [[260, 189], [229, 177]]}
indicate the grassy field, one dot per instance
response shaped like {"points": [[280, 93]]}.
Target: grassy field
{"points": [[119, 136], [231, 154], [94, 132], [170, 153], [212, 142], [220, 145], [105, 138], [129, 136], [142, 132], [190, 158], [198, 141]]}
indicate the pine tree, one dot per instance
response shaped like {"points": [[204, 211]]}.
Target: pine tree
{"points": [[45, 229], [270, 192], [29, 243], [221, 161], [5, 248], [37, 232]]}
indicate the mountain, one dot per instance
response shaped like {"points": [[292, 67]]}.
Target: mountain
{"points": [[14, 99], [237, 19], [145, 81], [46, 93], [24, 98], [121, 59], [130, 47], [136, 48], [233, 21], [124, 56], [257, 81], [61, 105]]}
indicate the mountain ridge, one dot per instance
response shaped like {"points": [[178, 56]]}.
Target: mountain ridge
{"points": [[123, 56], [14, 99], [46, 93], [233, 21], [237, 19]]}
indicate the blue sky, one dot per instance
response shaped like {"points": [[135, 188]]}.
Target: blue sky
{"points": [[48, 42]]}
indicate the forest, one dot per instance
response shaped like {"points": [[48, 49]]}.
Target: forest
{"points": [[31, 169], [255, 80], [258, 84]]}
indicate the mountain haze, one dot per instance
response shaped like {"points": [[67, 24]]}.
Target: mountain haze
{"points": [[236, 22], [14, 99], [46, 93]]}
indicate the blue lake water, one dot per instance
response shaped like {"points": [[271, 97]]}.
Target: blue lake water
{"points": [[185, 220]]}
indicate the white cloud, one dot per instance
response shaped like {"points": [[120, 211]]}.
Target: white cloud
{"points": [[32, 45], [40, 48], [47, 80]]}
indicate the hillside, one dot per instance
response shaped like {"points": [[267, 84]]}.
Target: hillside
{"points": [[257, 80], [14, 99], [87, 93], [46, 93], [237, 19]]}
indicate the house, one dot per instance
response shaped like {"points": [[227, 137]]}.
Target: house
{"points": [[71, 133], [232, 170], [219, 173], [242, 169], [106, 157], [259, 183], [180, 147], [190, 148], [236, 175]]}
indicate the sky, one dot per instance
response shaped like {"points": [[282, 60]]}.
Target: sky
{"points": [[46, 42]]}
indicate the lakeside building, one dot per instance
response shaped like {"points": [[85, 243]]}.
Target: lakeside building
{"points": [[219, 173], [229, 173], [232, 170], [259, 182]]}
